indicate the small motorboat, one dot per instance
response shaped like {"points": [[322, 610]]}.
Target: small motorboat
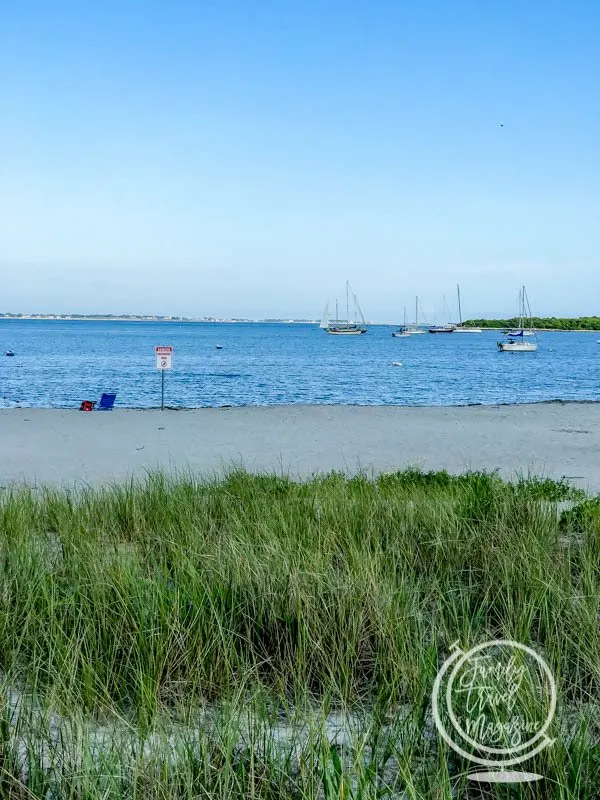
{"points": [[219, 347], [396, 363], [9, 353]]}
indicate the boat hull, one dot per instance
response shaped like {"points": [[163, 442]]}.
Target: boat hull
{"points": [[468, 330], [408, 330], [441, 330], [517, 347], [346, 332]]}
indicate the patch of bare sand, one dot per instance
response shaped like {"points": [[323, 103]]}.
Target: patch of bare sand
{"points": [[64, 447]]}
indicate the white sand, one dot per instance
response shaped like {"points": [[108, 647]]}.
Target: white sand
{"points": [[41, 446]]}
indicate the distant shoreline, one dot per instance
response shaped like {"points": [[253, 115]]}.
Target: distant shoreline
{"points": [[132, 318], [235, 321]]}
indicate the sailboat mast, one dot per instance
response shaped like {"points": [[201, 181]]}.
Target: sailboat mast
{"points": [[337, 316], [527, 310], [347, 311], [522, 309], [417, 311], [459, 308]]}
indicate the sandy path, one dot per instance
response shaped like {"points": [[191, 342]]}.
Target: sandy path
{"points": [[47, 446]]}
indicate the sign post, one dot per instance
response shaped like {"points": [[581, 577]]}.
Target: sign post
{"points": [[164, 361]]}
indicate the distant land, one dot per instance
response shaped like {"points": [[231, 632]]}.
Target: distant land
{"points": [[541, 323], [144, 318]]}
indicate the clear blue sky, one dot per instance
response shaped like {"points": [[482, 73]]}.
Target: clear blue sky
{"points": [[245, 158]]}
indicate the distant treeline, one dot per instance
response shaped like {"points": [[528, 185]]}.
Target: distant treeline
{"points": [[557, 323]]}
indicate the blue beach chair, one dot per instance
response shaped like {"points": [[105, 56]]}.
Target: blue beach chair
{"points": [[107, 401]]}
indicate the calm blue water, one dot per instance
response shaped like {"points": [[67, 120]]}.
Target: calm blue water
{"points": [[61, 363]]}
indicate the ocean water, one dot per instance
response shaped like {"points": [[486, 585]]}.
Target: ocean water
{"points": [[61, 363]]}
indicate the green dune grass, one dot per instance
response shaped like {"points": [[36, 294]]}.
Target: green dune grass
{"points": [[259, 637]]}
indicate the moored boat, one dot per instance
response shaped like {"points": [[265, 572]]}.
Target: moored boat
{"points": [[403, 331], [349, 327], [516, 342], [460, 328], [346, 330], [447, 328], [515, 346], [410, 330], [441, 329]]}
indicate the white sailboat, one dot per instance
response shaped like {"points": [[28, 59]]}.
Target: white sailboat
{"points": [[521, 330], [516, 342], [349, 327], [404, 330], [410, 330], [460, 328], [324, 324]]}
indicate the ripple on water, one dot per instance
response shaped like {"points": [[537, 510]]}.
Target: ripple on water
{"points": [[59, 363]]}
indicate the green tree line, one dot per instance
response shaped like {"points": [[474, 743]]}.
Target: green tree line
{"points": [[557, 323]]}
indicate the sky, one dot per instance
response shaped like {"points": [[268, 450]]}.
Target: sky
{"points": [[245, 158]]}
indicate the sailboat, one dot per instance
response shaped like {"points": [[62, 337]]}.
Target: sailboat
{"points": [[325, 318], [460, 328], [347, 328], [404, 330], [521, 330], [410, 330], [516, 342], [414, 330], [448, 328]]}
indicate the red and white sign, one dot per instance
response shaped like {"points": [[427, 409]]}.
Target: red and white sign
{"points": [[164, 357]]}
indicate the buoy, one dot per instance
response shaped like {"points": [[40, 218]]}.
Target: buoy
{"points": [[397, 364]]}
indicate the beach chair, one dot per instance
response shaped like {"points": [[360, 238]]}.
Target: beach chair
{"points": [[107, 401]]}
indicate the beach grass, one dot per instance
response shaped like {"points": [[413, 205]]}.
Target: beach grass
{"points": [[254, 636]]}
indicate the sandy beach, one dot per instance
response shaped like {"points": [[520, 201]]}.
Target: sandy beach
{"points": [[64, 447]]}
